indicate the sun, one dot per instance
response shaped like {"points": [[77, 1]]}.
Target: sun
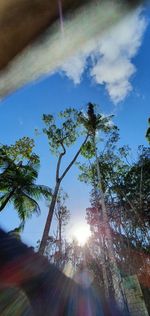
{"points": [[81, 233]]}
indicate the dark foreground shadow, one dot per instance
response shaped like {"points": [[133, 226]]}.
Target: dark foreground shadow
{"points": [[29, 285]]}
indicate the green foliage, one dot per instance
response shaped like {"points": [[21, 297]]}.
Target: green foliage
{"points": [[62, 213], [87, 173], [21, 150], [88, 150], [111, 165], [62, 131], [136, 184], [148, 132], [94, 122], [126, 188], [127, 199], [17, 186]]}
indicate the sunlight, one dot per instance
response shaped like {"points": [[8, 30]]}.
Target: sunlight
{"points": [[81, 233]]}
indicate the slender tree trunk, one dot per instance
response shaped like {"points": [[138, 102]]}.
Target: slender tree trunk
{"points": [[54, 197], [60, 243], [141, 178], [60, 237], [7, 200], [104, 270], [49, 219], [116, 279]]}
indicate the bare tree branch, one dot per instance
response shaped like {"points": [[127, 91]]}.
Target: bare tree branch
{"points": [[74, 159], [59, 161]]}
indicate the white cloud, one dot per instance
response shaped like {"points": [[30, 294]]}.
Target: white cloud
{"points": [[115, 75], [111, 54], [111, 57], [75, 67]]}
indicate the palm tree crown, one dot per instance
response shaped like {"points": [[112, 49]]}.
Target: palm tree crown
{"points": [[17, 186]]}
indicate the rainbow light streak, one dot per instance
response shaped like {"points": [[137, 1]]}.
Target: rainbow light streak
{"points": [[61, 17]]}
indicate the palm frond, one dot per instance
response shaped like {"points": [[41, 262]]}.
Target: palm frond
{"points": [[44, 191], [21, 180], [3, 197], [31, 203], [25, 206], [38, 191]]}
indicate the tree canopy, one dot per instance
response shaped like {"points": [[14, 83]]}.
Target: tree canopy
{"points": [[19, 172]]}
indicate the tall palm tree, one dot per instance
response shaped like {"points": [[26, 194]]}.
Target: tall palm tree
{"points": [[17, 186], [94, 123]]}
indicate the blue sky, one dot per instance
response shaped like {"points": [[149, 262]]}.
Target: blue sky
{"points": [[21, 112]]}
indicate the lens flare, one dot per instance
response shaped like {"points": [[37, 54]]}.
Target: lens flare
{"points": [[81, 233]]}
